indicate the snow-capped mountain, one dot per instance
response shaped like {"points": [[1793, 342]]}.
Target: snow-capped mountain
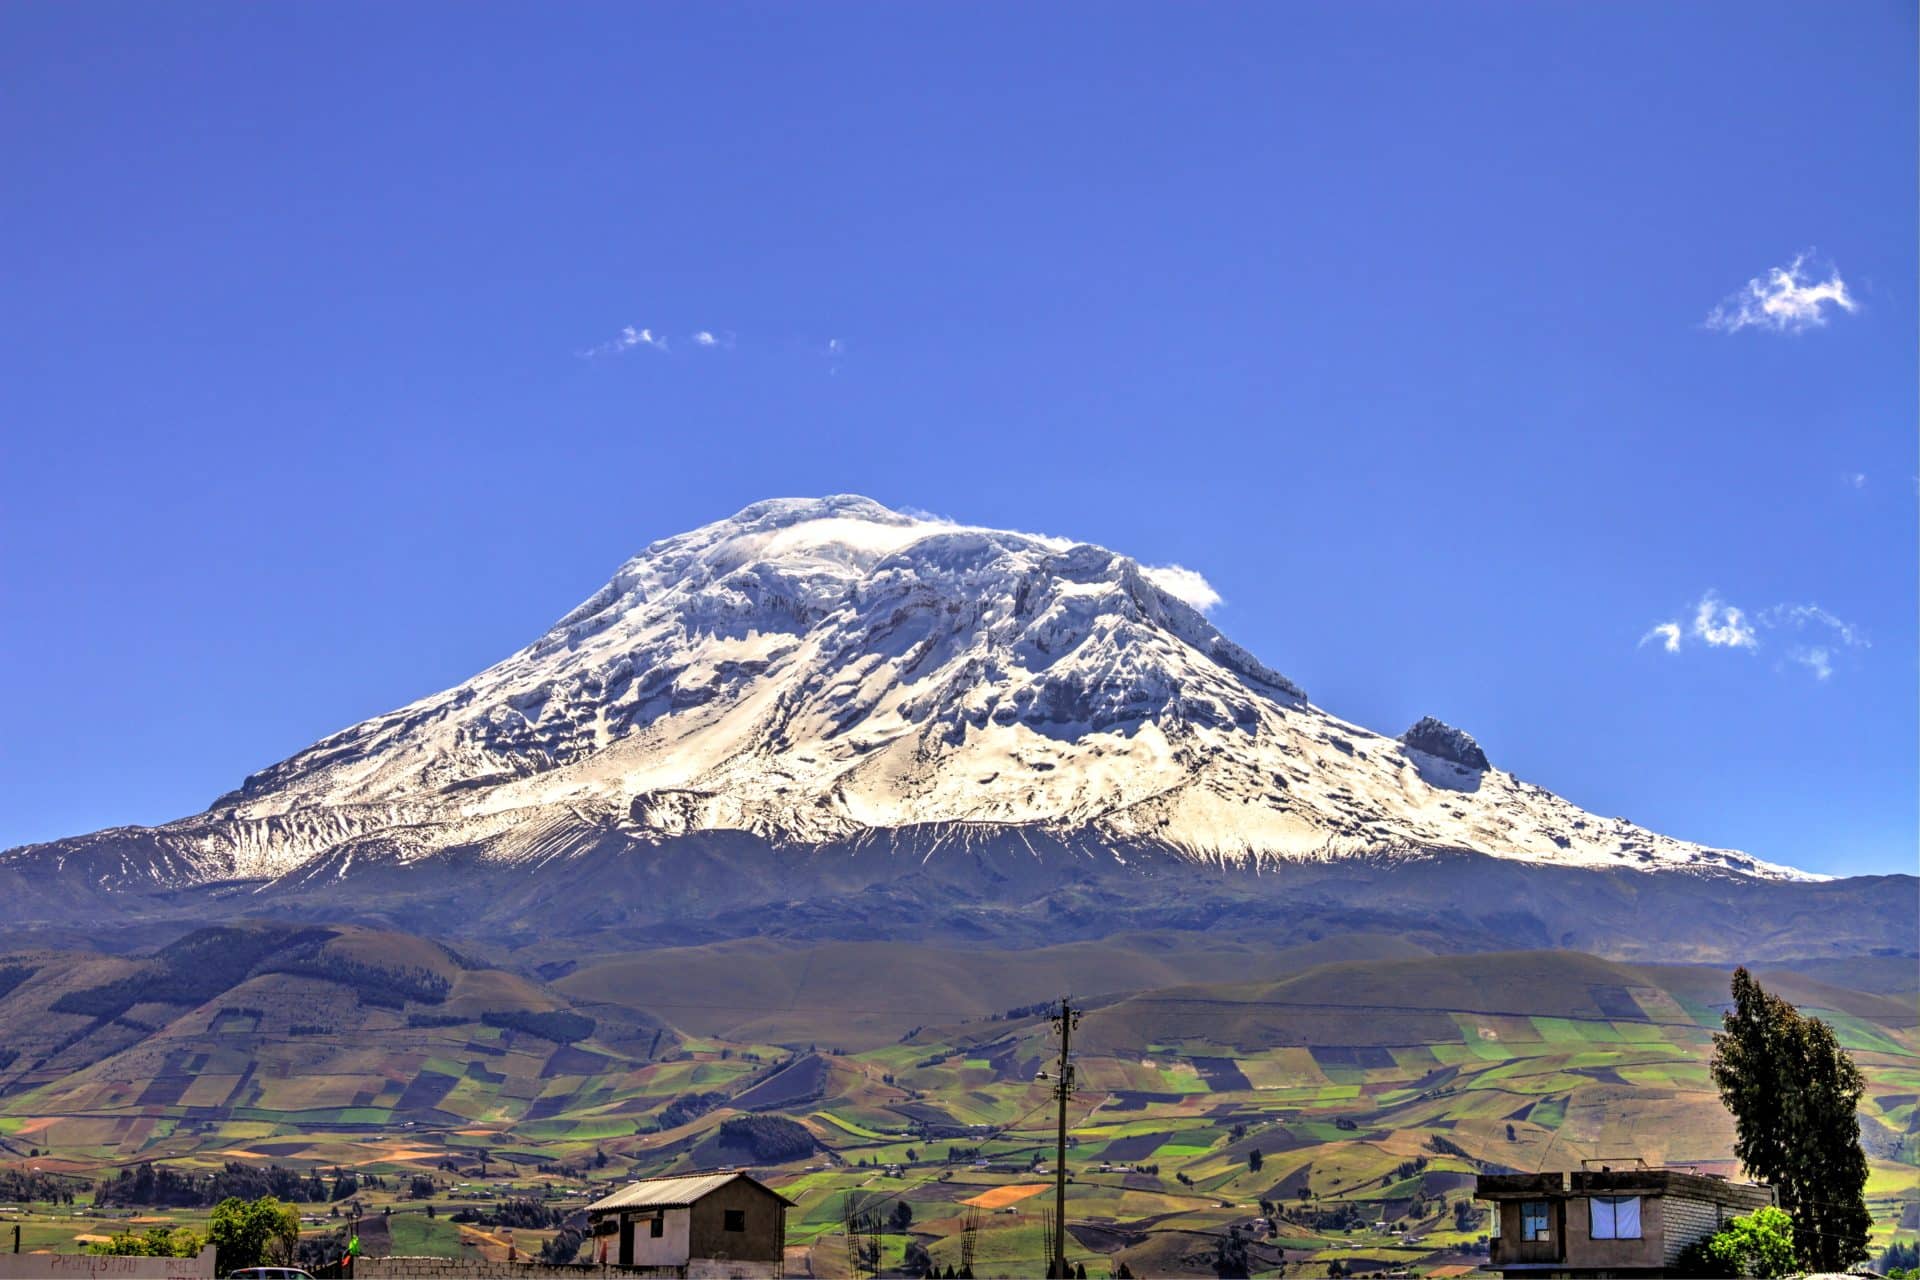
{"points": [[819, 671]]}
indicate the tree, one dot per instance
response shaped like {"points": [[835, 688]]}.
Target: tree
{"points": [[1760, 1244], [156, 1242], [1901, 1259], [1794, 1094], [902, 1215], [564, 1246], [1255, 1160], [918, 1262], [253, 1233], [1230, 1256]]}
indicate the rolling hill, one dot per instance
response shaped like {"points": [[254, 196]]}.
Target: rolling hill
{"points": [[1373, 1088]]}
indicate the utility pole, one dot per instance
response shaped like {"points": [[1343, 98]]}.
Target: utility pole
{"points": [[1063, 1022]]}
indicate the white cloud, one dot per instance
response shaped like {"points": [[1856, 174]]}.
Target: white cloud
{"points": [[1802, 616], [1669, 632], [627, 339], [1183, 584], [1722, 625], [1817, 660], [1719, 625], [836, 347], [1789, 300], [705, 338], [1858, 479]]}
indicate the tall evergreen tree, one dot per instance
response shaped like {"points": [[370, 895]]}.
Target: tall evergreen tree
{"points": [[1794, 1094]]}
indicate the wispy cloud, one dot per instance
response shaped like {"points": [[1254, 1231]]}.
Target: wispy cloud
{"points": [[1668, 633], [629, 337], [1855, 479], [1811, 617], [1183, 584], [1715, 624], [1787, 300], [635, 337], [1817, 660]]}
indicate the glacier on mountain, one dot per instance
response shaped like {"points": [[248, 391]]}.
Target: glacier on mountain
{"points": [[818, 670]]}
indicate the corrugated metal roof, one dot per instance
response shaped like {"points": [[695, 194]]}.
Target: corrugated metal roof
{"points": [[671, 1193]]}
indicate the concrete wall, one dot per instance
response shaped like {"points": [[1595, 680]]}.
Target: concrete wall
{"points": [[41, 1266], [457, 1268], [670, 1249], [1509, 1247], [1584, 1251], [460, 1269]]}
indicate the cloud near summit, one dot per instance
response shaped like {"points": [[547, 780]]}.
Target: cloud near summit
{"points": [[1183, 584]]}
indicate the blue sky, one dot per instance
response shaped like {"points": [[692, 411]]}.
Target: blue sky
{"points": [[1417, 329]]}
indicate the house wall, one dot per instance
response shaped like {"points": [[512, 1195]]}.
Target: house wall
{"points": [[1690, 1220], [764, 1239], [1668, 1224], [1584, 1251], [671, 1249], [1511, 1248]]}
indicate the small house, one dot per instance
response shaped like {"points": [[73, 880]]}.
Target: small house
{"points": [[707, 1226], [1607, 1222]]}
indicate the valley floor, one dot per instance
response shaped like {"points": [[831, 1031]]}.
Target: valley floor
{"points": [[1330, 1119]]}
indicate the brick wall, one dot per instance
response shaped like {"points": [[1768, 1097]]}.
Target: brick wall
{"points": [[1689, 1220]]}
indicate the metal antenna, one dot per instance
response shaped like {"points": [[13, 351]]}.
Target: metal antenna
{"points": [[1064, 1022]]}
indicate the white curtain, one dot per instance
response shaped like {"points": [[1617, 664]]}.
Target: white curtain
{"points": [[1615, 1217]]}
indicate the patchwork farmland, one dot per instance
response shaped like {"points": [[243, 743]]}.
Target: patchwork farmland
{"points": [[1322, 1111]]}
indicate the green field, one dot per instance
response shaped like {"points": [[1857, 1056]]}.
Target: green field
{"points": [[1359, 1083]]}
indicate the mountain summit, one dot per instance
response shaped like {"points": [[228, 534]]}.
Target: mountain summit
{"points": [[813, 671]]}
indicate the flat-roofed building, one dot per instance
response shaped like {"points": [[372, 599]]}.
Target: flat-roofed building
{"points": [[1607, 1222]]}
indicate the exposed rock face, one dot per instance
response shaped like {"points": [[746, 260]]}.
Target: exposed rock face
{"points": [[1438, 738]]}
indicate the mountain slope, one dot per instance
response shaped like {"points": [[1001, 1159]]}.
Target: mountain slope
{"points": [[816, 672]]}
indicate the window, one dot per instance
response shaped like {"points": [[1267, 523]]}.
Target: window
{"points": [[1499, 1210], [1615, 1217], [733, 1219], [1533, 1220], [658, 1226]]}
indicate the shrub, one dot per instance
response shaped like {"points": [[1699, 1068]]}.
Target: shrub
{"points": [[155, 1242], [1760, 1244]]}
